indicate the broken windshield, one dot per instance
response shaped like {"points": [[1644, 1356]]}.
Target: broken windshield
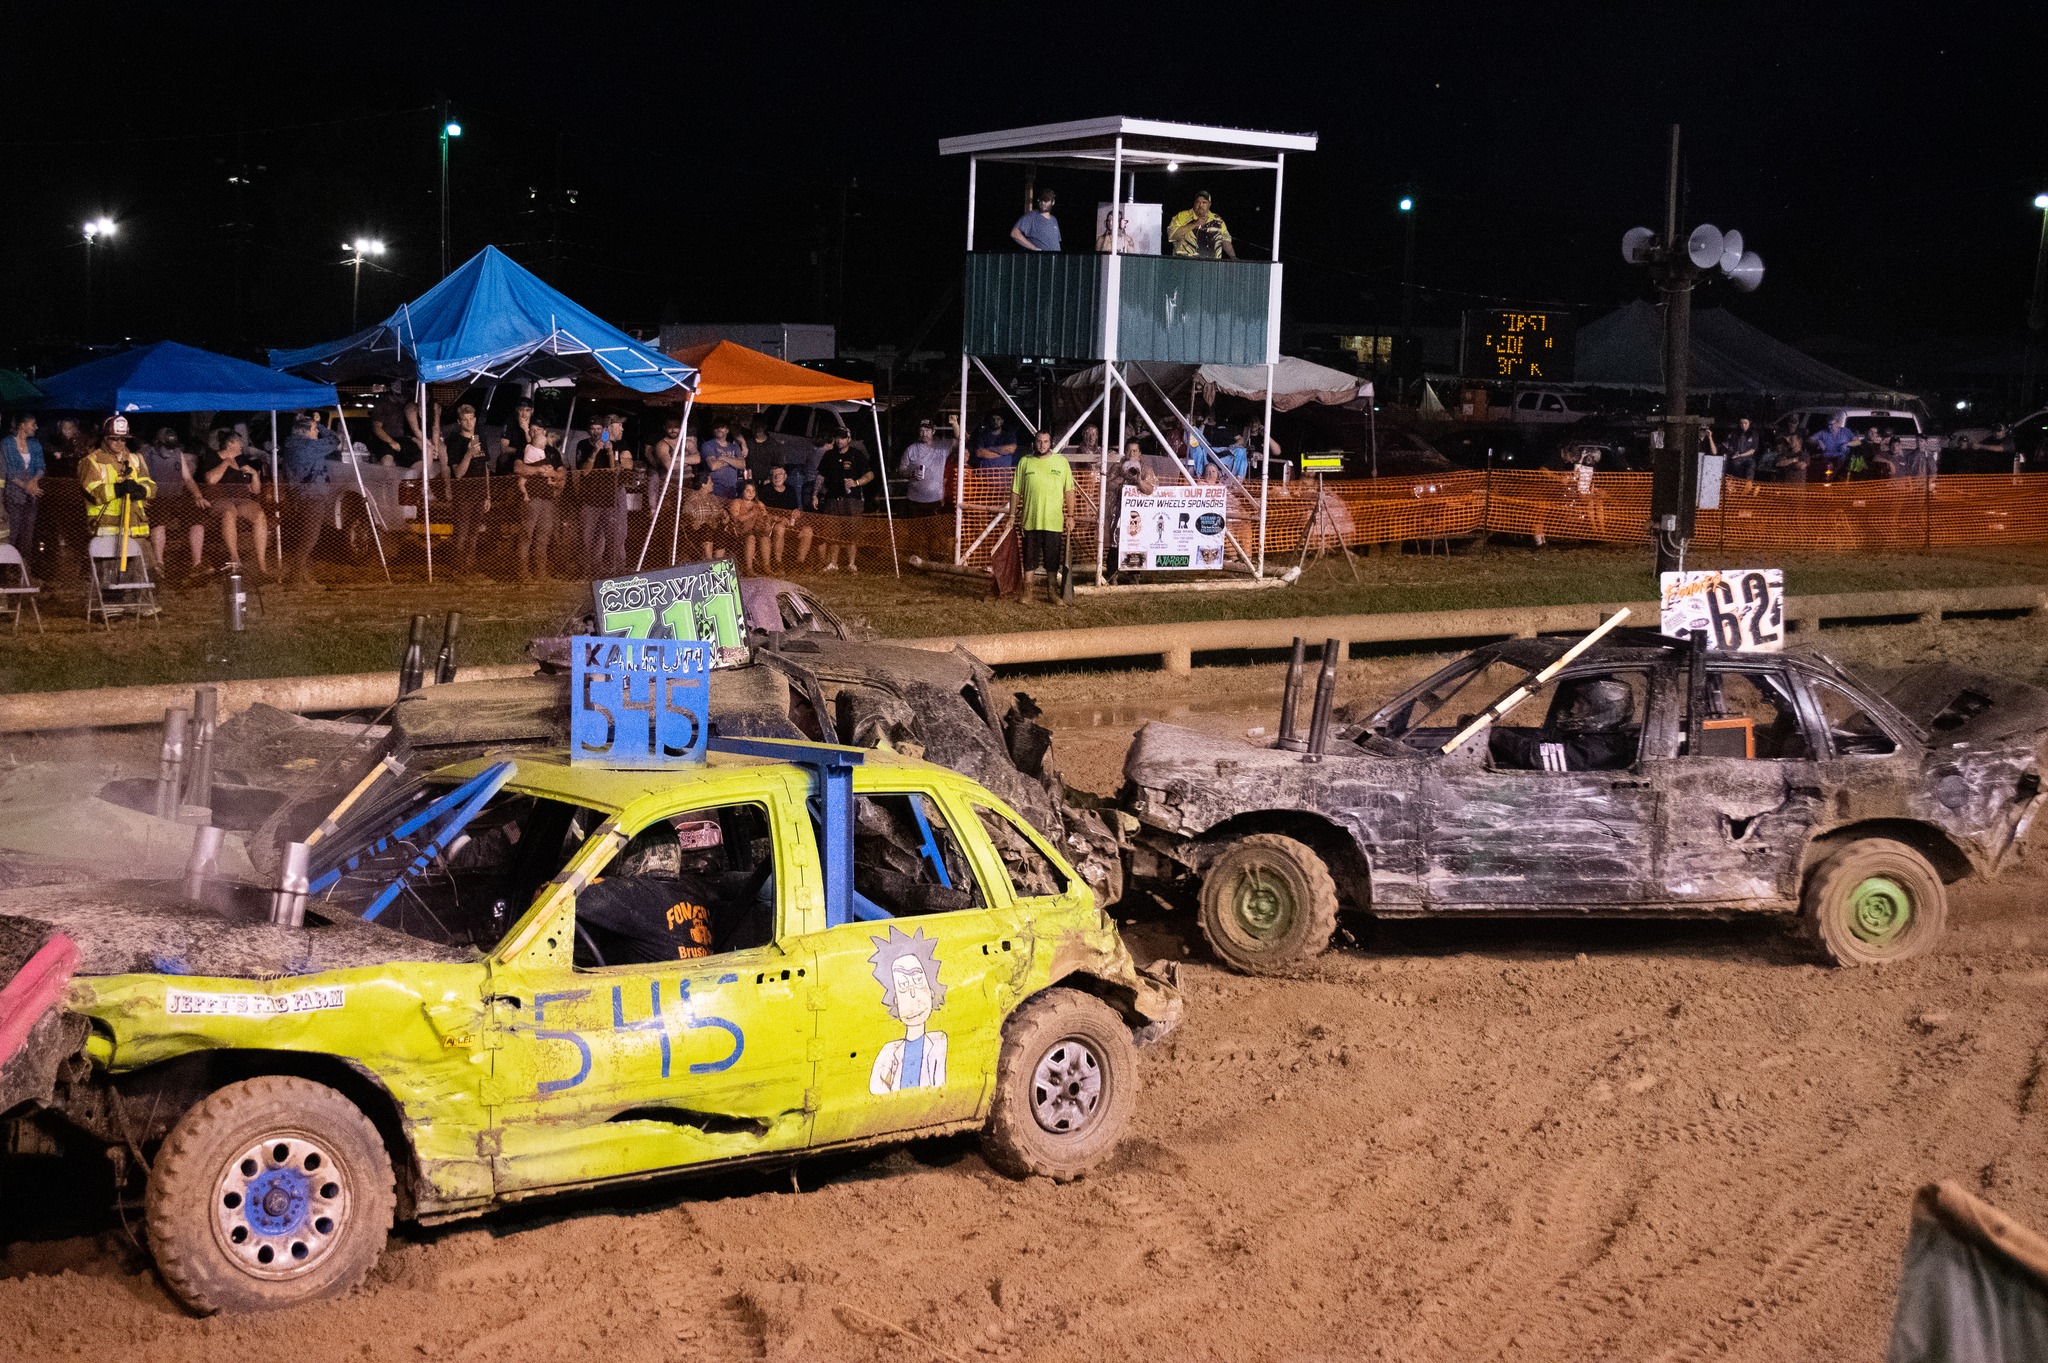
{"points": [[1428, 716], [412, 863]]}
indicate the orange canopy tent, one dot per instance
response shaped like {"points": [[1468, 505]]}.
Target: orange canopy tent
{"points": [[731, 375]]}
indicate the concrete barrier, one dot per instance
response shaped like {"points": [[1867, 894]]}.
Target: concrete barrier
{"points": [[1173, 645]]}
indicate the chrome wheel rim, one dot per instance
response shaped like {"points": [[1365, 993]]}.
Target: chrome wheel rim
{"points": [[280, 1206], [1066, 1088]]}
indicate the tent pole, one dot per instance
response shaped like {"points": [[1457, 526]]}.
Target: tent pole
{"points": [[369, 511], [1117, 209], [882, 472], [960, 467], [426, 484], [675, 526], [1123, 414], [668, 478], [1265, 443], [276, 494]]}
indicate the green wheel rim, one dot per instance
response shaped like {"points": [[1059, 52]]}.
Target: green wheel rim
{"points": [[1262, 905], [1880, 910]]}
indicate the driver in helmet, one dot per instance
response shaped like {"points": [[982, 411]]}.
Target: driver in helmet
{"points": [[1590, 729], [656, 901]]}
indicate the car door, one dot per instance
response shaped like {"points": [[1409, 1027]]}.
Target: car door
{"points": [[914, 990], [603, 1070], [1510, 838], [1739, 811]]}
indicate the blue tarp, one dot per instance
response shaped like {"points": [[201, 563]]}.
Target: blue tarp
{"points": [[168, 377], [491, 319]]}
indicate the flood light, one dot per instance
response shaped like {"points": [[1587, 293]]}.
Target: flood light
{"points": [[2041, 201], [99, 227], [1407, 205], [453, 129]]}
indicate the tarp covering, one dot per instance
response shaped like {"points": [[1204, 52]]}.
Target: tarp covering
{"points": [[15, 387], [1974, 1288], [1625, 349], [491, 319], [730, 374], [169, 377], [1297, 382]]}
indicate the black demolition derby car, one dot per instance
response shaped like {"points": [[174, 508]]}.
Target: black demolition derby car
{"points": [[1643, 779]]}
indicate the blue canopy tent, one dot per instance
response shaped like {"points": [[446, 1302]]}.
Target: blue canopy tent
{"points": [[491, 319], [169, 377]]}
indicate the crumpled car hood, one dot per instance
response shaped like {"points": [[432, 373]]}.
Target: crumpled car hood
{"points": [[143, 927], [1956, 705]]}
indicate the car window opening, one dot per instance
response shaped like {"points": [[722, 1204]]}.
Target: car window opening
{"points": [[685, 887], [907, 861]]}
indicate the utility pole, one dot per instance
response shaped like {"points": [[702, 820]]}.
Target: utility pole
{"points": [[450, 130], [1676, 263], [1409, 358], [2037, 308]]}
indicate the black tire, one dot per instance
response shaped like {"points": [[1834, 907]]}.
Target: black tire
{"points": [[1874, 901], [1268, 902], [1066, 1085], [257, 1175]]}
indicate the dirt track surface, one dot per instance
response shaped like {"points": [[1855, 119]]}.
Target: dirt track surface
{"points": [[1547, 1141]]}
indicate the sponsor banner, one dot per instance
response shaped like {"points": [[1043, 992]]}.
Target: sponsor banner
{"points": [[205, 1003], [692, 601], [1170, 530], [1741, 609]]}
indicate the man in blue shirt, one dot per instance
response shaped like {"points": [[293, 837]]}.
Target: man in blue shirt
{"points": [[1038, 230], [1831, 447], [302, 466], [994, 447]]}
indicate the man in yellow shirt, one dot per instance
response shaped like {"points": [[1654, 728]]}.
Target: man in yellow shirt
{"points": [[1198, 233], [1043, 493]]}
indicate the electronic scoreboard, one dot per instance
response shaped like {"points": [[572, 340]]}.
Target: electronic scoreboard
{"points": [[1516, 345]]}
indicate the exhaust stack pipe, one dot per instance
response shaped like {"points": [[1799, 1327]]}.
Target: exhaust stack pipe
{"points": [[1289, 699], [199, 767], [288, 901], [170, 767], [204, 861], [1326, 690], [412, 668], [444, 665]]}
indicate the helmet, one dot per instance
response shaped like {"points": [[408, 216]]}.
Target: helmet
{"points": [[114, 427], [653, 851], [1593, 705]]}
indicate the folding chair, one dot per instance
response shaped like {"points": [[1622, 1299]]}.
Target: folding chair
{"points": [[114, 592], [11, 597]]}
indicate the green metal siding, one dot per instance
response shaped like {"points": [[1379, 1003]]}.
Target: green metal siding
{"points": [[1034, 304], [1193, 311], [1052, 305]]}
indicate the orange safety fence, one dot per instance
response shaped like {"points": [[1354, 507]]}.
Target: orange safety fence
{"points": [[1904, 513]]}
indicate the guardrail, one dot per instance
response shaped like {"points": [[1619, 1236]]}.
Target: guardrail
{"points": [[1174, 647]]}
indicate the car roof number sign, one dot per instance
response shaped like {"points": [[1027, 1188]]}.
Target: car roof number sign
{"points": [[1742, 610], [638, 702]]}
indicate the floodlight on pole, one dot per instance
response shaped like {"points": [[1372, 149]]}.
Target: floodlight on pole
{"points": [[1408, 356], [451, 129], [97, 231], [359, 250], [2041, 201], [2037, 307]]}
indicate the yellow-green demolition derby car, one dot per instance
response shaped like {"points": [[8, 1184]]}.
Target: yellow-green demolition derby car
{"points": [[518, 977]]}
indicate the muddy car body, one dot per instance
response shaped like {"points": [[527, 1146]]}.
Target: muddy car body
{"points": [[1851, 802], [497, 1033]]}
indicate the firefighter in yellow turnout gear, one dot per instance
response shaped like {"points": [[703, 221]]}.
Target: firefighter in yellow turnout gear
{"points": [[117, 487]]}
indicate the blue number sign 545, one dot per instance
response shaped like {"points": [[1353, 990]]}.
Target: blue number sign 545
{"points": [[638, 702]]}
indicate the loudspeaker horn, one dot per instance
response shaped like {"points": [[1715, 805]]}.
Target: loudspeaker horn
{"points": [[1748, 272], [1703, 247], [1731, 250], [1636, 243]]}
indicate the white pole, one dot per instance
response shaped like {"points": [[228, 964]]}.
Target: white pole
{"points": [[960, 469], [668, 478], [276, 494], [675, 526], [1116, 212], [376, 537], [1272, 373], [973, 171], [426, 483], [882, 472]]}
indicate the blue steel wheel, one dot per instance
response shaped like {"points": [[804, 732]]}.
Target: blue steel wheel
{"points": [[268, 1193]]}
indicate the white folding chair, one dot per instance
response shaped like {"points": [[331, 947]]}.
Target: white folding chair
{"points": [[118, 592], [12, 597]]}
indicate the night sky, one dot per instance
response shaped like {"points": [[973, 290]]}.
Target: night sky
{"points": [[755, 162]]}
